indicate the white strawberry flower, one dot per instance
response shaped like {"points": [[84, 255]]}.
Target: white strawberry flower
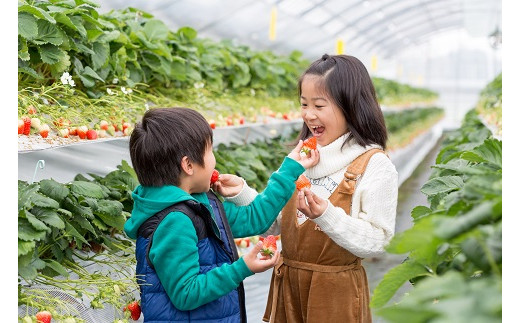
{"points": [[65, 78], [115, 80], [109, 91]]}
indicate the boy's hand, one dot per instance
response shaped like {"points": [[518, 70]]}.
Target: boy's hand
{"points": [[228, 185], [306, 161], [314, 207], [258, 265]]}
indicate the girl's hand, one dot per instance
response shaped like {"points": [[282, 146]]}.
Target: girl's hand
{"points": [[228, 185], [258, 265], [314, 207], [305, 161]]}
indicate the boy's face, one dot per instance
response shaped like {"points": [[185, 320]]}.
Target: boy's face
{"points": [[202, 175]]}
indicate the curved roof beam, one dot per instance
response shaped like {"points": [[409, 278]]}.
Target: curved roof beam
{"points": [[392, 43], [227, 15], [399, 13], [378, 22], [387, 34]]}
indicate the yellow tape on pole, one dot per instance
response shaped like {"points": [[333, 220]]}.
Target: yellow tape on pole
{"points": [[373, 64], [339, 47], [272, 24]]}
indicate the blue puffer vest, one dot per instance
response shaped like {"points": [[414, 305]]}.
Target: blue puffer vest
{"points": [[155, 303]]}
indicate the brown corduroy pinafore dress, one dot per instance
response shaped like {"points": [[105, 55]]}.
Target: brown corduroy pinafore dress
{"points": [[316, 280]]}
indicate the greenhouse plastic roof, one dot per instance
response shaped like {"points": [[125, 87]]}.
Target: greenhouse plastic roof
{"points": [[382, 27]]}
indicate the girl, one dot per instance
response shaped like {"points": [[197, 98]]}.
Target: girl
{"points": [[349, 211]]}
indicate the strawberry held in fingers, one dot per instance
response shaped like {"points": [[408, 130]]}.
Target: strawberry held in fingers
{"points": [[214, 176], [269, 246], [302, 182], [308, 145]]}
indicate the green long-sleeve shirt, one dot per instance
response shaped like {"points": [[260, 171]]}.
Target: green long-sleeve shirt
{"points": [[174, 252]]}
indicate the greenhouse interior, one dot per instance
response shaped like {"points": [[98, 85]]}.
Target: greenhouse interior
{"points": [[417, 83]]}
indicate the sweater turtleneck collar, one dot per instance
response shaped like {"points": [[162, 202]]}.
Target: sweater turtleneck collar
{"points": [[333, 158]]}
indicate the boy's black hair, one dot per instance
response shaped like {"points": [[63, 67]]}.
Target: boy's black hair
{"points": [[345, 80], [162, 138]]}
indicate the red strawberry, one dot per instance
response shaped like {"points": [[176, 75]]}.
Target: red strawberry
{"points": [[229, 121], [43, 317], [20, 126], [126, 125], [91, 134], [26, 125], [214, 176], [269, 246], [212, 124], [302, 182], [31, 110], [135, 310], [82, 132], [308, 145], [241, 120], [44, 130], [285, 116], [73, 131], [103, 124]]}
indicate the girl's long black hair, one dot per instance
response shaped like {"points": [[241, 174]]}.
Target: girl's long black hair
{"points": [[345, 80]]}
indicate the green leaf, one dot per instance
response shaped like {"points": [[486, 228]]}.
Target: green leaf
{"points": [[246, 173], [420, 211], [85, 224], [71, 231], [87, 189], [37, 12], [78, 22], [187, 32], [37, 224], [53, 189], [44, 201], [51, 54], [101, 55], [443, 184], [155, 30], [25, 193], [110, 213], [87, 71], [48, 33], [24, 247], [48, 216], [127, 168], [62, 66], [491, 151], [93, 34], [54, 265], [27, 26], [27, 232], [449, 227], [394, 279]]}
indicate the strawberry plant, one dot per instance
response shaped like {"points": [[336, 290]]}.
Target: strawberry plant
{"points": [[65, 228], [454, 248]]}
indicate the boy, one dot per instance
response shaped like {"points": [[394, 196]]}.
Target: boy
{"points": [[185, 253]]}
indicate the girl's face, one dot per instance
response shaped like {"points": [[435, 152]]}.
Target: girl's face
{"points": [[320, 114]]}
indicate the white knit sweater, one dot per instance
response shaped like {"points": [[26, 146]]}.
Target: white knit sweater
{"points": [[371, 225]]}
